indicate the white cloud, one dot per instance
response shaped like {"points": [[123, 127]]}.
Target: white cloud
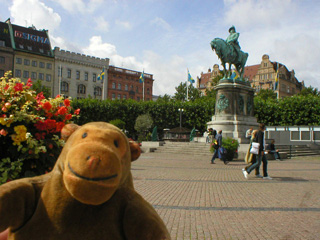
{"points": [[102, 25], [80, 5], [28, 12], [124, 24], [167, 71], [258, 13], [161, 23]]}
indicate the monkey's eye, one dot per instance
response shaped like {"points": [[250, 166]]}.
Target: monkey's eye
{"points": [[84, 135], [116, 143]]}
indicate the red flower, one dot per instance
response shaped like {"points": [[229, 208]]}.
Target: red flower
{"points": [[40, 97], [67, 102], [50, 145], [68, 117], [18, 87], [40, 136], [49, 115], [62, 110], [59, 126], [29, 83], [6, 87], [77, 112], [47, 106], [41, 126], [51, 125]]}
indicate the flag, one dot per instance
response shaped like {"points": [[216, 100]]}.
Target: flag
{"points": [[101, 75], [190, 79], [141, 79], [234, 75], [276, 79]]}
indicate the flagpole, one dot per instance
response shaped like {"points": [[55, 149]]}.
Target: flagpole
{"points": [[60, 80], [102, 79], [187, 84], [143, 86]]}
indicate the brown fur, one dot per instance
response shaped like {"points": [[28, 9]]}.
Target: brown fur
{"points": [[88, 195]]}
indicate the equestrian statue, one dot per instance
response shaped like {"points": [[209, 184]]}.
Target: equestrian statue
{"points": [[229, 51]]}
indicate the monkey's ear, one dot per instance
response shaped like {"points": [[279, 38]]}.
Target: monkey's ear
{"points": [[135, 150], [67, 130]]}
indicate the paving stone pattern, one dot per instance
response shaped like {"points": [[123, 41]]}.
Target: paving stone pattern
{"points": [[199, 200]]}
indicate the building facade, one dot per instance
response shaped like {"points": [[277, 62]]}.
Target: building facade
{"points": [[124, 84], [205, 81], [265, 74], [76, 75], [32, 54], [6, 51], [28, 54]]}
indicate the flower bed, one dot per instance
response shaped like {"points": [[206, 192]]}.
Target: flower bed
{"points": [[30, 128]]}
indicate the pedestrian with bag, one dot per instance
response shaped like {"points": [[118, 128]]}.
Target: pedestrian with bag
{"points": [[219, 150], [257, 148]]}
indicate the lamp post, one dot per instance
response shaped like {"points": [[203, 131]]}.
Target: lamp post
{"points": [[180, 110]]}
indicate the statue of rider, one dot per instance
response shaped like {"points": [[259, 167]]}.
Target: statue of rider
{"points": [[232, 40]]}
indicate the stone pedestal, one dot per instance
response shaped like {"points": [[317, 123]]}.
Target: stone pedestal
{"points": [[234, 109]]}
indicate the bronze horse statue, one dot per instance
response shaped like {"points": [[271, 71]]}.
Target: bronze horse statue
{"points": [[228, 54]]}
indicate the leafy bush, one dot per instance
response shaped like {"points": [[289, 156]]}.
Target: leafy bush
{"points": [[30, 128], [230, 144], [118, 123], [143, 124]]}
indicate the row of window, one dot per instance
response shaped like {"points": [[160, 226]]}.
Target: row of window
{"points": [[33, 63], [78, 74], [81, 89], [33, 76], [126, 87], [266, 76], [2, 60]]}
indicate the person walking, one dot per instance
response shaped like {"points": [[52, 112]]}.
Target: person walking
{"points": [[250, 158], [217, 152], [260, 139]]}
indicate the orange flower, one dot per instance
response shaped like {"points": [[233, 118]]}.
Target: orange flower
{"points": [[77, 112]]}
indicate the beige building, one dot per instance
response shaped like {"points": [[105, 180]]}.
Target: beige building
{"points": [[261, 76], [264, 75], [77, 75], [32, 54]]}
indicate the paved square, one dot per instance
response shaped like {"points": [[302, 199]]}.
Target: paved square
{"points": [[199, 200]]}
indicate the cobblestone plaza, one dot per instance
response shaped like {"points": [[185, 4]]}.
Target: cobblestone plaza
{"points": [[199, 200]]}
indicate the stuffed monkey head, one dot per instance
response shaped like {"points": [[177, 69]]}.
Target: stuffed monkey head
{"points": [[95, 161]]}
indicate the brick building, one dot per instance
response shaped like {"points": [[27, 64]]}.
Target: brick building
{"points": [[205, 80], [124, 84]]}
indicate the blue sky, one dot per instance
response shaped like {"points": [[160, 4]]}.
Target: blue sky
{"points": [[165, 37]]}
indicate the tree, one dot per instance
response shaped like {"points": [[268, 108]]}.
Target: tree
{"points": [[181, 92], [211, 93], [309, 91], [38, 87], [143, 124], [266, 94], [164, 98]]}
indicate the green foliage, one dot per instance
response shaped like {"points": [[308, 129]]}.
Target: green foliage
{"points": [[38, 87], [230, 144], [295, 110], [164, 98], [266, 94], [164, 114], [310, 91], [181, 92], [118, 123], [143, 123]]}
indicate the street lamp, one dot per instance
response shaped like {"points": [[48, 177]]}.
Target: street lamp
{"points": [[180, 110]]}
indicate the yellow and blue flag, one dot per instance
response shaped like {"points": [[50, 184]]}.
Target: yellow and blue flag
{"points": [[190, 79], [234, 75], [101, 75], [276, 80], [141, 79]]}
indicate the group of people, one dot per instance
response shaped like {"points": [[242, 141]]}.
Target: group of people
{"points": [[254, 160]]}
